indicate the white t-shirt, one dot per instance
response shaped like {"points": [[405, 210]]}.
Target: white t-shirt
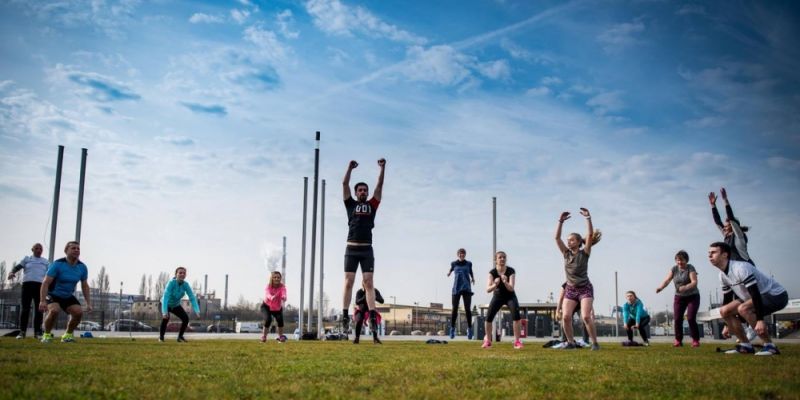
{"points": [[35, 268], [741, 275]]}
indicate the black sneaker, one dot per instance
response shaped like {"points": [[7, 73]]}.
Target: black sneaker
{"points": [[357, 340], [161, 340], [181, 339], [345, 323], [375, 340]]}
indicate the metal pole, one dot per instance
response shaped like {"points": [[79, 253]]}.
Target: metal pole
{"points": [[303, 256], [80, 195], [56, 194], [496, 324], [616, 304], [320, 328], [283, 262], [120, 304], [313, 235], [226, 292]]}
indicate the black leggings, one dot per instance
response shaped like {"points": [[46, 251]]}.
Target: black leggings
{"points": [[30, 291], [178, 311], [467, 307], [497, 303], [644, 328], [269, 314]]}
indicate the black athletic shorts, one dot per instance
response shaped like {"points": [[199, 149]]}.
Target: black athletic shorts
{"points": [[62, 302], [355, 255]]}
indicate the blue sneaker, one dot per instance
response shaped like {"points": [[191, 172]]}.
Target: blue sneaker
{"points": [[769, 350], [452, 333], [469, 333]]}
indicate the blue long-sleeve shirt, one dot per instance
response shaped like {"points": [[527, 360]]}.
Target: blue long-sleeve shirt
{"points": [[174, 293], [633, 311]]}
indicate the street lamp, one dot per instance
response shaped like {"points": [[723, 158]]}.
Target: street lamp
{"points": [[416, 304], [394, 310]]}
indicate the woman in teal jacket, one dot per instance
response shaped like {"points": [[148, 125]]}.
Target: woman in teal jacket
{"points": [[171, 303], [635, 316]]}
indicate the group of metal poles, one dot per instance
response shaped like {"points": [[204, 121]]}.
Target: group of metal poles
{"points": [[309, 328], [57, 195]]}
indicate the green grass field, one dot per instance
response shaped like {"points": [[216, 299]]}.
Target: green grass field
{"points": [[211, 369]]}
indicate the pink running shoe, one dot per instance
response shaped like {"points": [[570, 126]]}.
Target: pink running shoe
{"points": [[695, 343], [486, 344], [263, 338], [677, 343], [517, 345]]}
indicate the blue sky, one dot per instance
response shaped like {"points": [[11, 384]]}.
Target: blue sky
{"points": [[200, 118]]}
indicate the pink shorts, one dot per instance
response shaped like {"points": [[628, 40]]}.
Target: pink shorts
{"points": [[579, 293]]}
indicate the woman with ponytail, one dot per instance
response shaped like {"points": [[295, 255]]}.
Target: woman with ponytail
{"points": [[579, 289]]}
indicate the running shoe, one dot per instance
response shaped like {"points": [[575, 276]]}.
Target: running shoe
{"points": [[517, 345], [568, 346], [263, 338], [357, 340], [695, 343], [375, 340], [677, 343], [486, 344], [452, 333], [469, 333], [161, 340], [769, 350], [47, 337], [67, 338], [750, 332], [646, 343], [21, 336], [181, 339], [595, 346], [742, 349]]}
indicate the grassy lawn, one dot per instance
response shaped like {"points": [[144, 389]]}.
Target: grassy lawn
{"points": [[211, 369]]}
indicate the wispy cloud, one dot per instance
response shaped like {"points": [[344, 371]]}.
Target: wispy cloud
{"points": [[200, 18], [213, 109], [783, 163], [607, 102], [95, 86], [333, 17], [176, 140], [621, 36], [20, 192], [240, 15], [267, 42], [551, 81], [689, 9], [285, 20]]}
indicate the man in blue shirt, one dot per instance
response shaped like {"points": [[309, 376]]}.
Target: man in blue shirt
{"points": [[57, 292]]}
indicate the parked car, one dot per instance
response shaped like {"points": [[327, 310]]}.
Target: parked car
{"points": [[125, 325], [89, 326], [8, 325], [197, 326], [175, 326], [219, 329], [248, 327]]}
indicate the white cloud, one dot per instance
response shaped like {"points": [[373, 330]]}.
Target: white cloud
{"points": [[688, 9], [268, 43], [438, 64], [176, 140], [496, 70], [200, 18], [240, 16], [333, 17], [783, 163], [621, 36], [607, 102], [539, 91], [519, 53], [285, 20], [551, 81]]}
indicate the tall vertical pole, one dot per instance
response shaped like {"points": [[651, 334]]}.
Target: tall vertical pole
{"points": [[226, 293], [313, 236], [494, 252], [205, 295], [80, 195], [283, 262], [56, 195], [303, 256], [320, 310], [205, 285], [616, 304]]}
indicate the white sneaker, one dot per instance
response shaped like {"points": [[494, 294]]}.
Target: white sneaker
{"points": [[21, 336], [750, 332]]}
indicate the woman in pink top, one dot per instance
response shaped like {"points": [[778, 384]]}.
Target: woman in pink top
{"points": [[272, 306]]}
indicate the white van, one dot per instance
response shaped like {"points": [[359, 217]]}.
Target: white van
{"points": [[248, 327]]}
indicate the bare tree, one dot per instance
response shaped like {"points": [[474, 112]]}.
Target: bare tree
{"points": [[243, 305], [150, 287], [3, 275], [143, 286], [102, 286], [161, 284]]}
